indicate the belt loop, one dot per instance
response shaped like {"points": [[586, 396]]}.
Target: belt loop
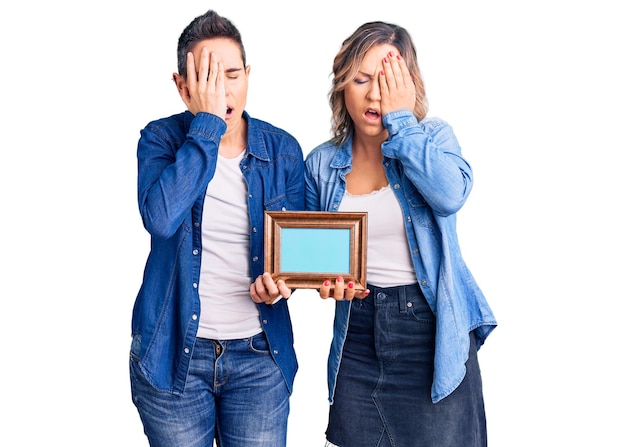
{"points": [[402, 299]]}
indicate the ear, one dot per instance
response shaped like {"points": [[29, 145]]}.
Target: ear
{"points": [[181, 86], [248, 70]]}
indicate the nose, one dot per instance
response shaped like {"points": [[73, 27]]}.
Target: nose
{"points": [[373, 93]]}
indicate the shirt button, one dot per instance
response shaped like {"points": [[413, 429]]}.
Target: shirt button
{"points": [[415, 250], [254, 229], [194, 317], [275, 351], [186, 350], [264, 321], [195, 285], [255, 258], [196, 224], [195, 251], [423, 282], [396, 186], [284, 209], [409, 304]]}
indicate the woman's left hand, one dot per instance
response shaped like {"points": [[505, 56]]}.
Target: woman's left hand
{"points": [[341, 291]]}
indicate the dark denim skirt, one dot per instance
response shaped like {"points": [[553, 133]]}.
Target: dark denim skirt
{"points": [[382, 397]]}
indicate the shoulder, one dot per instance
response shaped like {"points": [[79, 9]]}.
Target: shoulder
{"points": [[327, 157], [267, 140], [440, 132], [267, 129], [327, 149], [170, 128], [168, 123], [165, 132], [433, 125]]}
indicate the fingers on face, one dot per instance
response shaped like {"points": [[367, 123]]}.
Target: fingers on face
{"points": [[394, 69], [191, 69], [387, 80], [203, 68], [216, 72], [208, 67]]}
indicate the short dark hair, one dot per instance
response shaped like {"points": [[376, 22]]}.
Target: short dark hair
{"points": [[207, 26]]}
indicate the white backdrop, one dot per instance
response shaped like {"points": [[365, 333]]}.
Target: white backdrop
{"points": [[535, 93]]}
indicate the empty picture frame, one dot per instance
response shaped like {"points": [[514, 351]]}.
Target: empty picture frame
{"points": [[306, 247]]}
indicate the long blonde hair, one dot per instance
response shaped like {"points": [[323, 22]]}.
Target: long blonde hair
{"points": [[348, 60]]}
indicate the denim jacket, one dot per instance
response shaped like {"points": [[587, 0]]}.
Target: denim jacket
{"points": [[176, 160], [431, 181]]}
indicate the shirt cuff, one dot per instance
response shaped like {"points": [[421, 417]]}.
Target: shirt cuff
{"points": [[397, 120]]}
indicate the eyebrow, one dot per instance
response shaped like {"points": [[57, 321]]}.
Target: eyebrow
{"points": [[362, 73]]}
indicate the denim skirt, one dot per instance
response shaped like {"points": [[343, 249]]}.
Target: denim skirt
{"points": [[382, 397]]}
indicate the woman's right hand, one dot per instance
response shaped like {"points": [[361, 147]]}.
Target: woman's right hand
{"points": [[340, 291], [397, 89]]}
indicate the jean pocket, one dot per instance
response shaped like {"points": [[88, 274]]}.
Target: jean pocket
{"points": [[259, 344], [419, 309], [135, 347]]}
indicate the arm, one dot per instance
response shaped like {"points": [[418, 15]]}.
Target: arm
{"points": [[432, 160], [173, 173], [428, 151], [170, 178]]}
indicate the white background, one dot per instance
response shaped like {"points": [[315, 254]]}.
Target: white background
{"points": [[535, 93]]}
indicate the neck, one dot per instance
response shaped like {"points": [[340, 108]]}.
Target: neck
{"points": [[234, 140], [368, 147]]}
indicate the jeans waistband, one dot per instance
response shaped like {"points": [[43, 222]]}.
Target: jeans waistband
{"points": [[395, 292]]}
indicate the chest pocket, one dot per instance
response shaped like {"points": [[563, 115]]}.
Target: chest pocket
{"points": [[421, 214], [278, 203]]}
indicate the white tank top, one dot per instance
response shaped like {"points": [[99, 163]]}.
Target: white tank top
{"points": [[226, 310], [388, 256]]}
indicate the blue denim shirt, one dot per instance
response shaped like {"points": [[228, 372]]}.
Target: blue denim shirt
{"points": [[176, 160], [431, 180]]}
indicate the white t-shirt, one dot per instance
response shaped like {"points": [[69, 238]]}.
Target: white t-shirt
{"points": [[226, 309], [388, 256]]}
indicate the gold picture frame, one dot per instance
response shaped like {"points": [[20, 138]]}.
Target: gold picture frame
{"points": [[306, 247]]}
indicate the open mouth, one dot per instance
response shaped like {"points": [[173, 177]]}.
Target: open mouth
{"points": [[372, 113]]}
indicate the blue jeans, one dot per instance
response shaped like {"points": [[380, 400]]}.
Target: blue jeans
{"points": [[383, 389], [234, 394]]}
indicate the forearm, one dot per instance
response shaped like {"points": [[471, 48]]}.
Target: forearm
{"points": [[432, 161]]}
